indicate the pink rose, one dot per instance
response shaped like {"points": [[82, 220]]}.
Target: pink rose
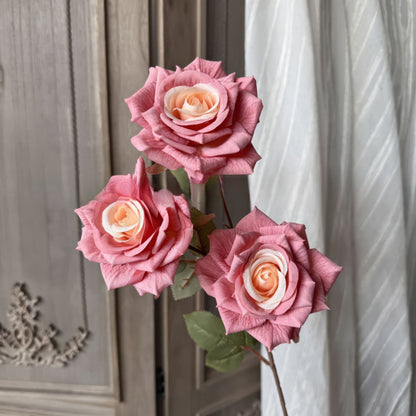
{"points": [[265, 278], [198, 118], [137, 235]]}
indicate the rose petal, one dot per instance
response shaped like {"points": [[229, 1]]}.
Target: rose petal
{"points": [[212, 68], [272, 335], [232, 144], [302, 305], [254, 221], [157, 281], [198, 169], [229, 131], [120, 275], [248, 84], [155, 150], [184, 127], [247, 247], [247, 110], [144, 98], [88, 247], [143, 191], [326, 268], [234, 322], [165, 230]]}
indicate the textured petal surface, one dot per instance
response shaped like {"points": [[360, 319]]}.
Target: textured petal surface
{"points": [[150, 262], [222, 274], [203, 146]]}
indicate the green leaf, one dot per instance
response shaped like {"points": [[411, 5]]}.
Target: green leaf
{"points": [[195, 242], [201, 232], [237, 338], [249, 340], [186, 282], [202, 219], [204, 328], [183, 180], [212, 183], [225, 357]]}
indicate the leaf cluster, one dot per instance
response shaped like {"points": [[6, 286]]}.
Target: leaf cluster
{"points": [[224, 352]]}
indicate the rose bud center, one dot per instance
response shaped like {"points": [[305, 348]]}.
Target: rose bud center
{"points": [[265, 278], [124, 221], [200, 102]]}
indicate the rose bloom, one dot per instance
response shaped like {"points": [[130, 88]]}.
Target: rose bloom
{"points": [[198, 118], [265, 278], [136, 235]]}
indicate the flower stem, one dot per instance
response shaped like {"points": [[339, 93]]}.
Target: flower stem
{"points": [[247, 348], [277, 381], [224, 202], [198, 196], [198, 202], [197, 250], [187, 281]]}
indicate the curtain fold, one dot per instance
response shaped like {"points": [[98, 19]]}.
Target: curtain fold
{"points": [[337, 136]]}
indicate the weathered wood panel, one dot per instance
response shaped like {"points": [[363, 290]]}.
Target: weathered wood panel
{"points": [[128, 62], [191, 388], [54, 156]]}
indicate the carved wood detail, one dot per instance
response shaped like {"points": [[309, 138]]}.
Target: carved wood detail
{"points": [[26, 344]]}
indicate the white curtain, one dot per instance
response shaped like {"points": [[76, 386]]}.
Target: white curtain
{"points": [[338, 137]]}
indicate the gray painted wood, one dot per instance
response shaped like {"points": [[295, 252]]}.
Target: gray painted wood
{"points": [[41, 172], [128, 63], [58, 110], [128, 67], [191, 388], [65, 68], [54, 156]]}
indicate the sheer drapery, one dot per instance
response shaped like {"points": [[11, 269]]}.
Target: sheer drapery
{"points": [[338, 137]]}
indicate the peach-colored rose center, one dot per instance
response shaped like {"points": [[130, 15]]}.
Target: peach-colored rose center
{"points": [[124, 221], [265, 278], [199, 102]]}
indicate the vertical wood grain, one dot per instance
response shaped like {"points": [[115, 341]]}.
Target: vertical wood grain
{"points": [[190, 389], [128, 66], [128, 62], [54, 156], [179, 32]]}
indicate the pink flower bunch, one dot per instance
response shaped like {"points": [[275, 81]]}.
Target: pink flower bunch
{"points": [[264, 276]]}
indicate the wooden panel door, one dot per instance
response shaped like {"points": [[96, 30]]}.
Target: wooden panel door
{"points": [[65, 68], [213, 30], [55, 156]]}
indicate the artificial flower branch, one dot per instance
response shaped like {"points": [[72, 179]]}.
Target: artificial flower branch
{"points": [[270, 362], [257, 354], [198, 122]]}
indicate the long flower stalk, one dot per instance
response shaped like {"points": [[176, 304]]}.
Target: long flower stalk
{"points": [[277, 382], [269, 362]]}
